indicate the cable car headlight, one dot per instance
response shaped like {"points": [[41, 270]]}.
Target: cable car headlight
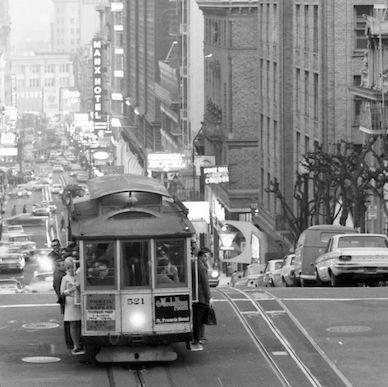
{"points": [[137, 319], [215, 273], [45, 264]]}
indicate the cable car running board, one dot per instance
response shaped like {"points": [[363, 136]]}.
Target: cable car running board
{"points": [[141, 354]]}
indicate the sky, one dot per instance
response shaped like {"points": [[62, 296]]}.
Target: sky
{"points": [[30, 20]]}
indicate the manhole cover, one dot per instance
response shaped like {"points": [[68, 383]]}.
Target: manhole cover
{"points": [[349, 329], [41, 359], [40, 325]]}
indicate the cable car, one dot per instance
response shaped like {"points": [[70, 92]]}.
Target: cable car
{"points": [[135, 269]]}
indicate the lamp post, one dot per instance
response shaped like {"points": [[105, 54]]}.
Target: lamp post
{"points": [[303, 172]]}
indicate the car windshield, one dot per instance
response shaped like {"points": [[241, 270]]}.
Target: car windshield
{"points": [[278, 265], [362, 241]]}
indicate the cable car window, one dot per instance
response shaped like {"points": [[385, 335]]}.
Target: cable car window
{"points": [[170, 262], [135, 263], [99, 262]]}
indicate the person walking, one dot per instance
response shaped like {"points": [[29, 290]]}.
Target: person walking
{"points": [[24, 209], [13, 211], [201, 306], [69, 289]]}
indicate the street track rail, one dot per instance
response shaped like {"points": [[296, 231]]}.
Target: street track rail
{"points": [[286, 363]]}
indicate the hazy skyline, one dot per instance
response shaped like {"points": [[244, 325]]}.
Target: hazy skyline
{"points": [[30, 23]]}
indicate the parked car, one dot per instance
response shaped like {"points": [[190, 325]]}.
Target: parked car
{"points": [[11, 261], [272, 273], [311, 244], [10, 286], [353, 258], [288, 271], [253, 276]]}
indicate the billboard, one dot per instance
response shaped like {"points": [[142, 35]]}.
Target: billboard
{"points": [[70, 100]]}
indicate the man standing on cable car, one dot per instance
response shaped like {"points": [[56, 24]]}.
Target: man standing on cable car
{"points": [[200, 308]]}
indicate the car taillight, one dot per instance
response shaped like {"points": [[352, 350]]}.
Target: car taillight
{"points": [[345, 257]]}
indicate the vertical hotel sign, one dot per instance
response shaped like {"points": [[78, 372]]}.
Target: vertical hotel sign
{"points": [[98, 118], [13, 91]]}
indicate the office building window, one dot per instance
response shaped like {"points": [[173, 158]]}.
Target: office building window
{"points": [[306, 92], [306, 28], [316, 99], [275, 33], [268, 193], [297, 90], [315, 29], [35, 69], [297, 145], [275, 137], [49, 82], [34, 82], [297, 25], [275, 82], [360, 24]]}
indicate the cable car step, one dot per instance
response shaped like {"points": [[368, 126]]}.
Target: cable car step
{"points": [[136, 354]]}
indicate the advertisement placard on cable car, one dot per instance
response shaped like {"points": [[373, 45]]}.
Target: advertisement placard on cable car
{"points": [[215, 175], [172, 309], [100, 312]]}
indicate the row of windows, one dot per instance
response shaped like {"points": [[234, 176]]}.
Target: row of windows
{"points": [[269, 79], [48, 68], [36, 82], [303, 98], [268, 23], [215, 31], [170, 264], [303, 18]]}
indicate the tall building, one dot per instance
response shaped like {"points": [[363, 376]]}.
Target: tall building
{"points": [[5, 27], [147, 39], [75, 23], [309, 52]]}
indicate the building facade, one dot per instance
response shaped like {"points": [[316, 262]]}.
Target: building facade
{"points": [[5, 80], [39, 80], [75, 23], [309, 52]]}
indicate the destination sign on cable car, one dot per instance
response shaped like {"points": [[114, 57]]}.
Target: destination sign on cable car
{"points": [[100, 312], [172, 309]]}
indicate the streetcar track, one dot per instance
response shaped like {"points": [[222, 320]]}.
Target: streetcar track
{"points": [[270, 360]]}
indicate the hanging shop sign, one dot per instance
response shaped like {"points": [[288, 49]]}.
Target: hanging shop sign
{"points": [[215, 175], [165, 162]]}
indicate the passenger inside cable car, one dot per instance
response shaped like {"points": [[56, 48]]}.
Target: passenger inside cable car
{"points": [[100, 260], [135, 261]]}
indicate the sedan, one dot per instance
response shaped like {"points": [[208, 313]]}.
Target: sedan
{"points": [[27, 220], [288, 271], [272, 273], [19, 193], [58, 168], [12, 261], [353, 258], [10, 286]]}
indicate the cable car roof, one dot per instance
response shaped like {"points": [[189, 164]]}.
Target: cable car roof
{"points": [[142, 224], [108, 184]]}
